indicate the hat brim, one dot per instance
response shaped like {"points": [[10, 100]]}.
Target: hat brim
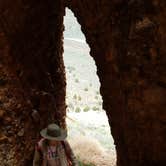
{"points": [[62, 137]]}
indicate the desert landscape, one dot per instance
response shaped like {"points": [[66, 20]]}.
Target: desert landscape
{"points": [[85, 115]]}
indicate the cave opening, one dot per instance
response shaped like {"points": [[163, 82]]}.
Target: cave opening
{"points": [[87, 122]]}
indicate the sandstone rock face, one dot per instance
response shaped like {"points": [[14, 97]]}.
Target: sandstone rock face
{"points": [[32, 78], [127, 41]]}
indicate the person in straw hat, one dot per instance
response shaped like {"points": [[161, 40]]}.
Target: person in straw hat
{"points": [[53, 149]]}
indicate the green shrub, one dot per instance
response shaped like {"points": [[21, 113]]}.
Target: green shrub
{"points": [[100, 102], [82, 164], [95, 108], [86, 89], [79, 98], [86, 109], [76, 80], [71, 68], [70, 105], [96, 97], [75, 97], [78, 109]]}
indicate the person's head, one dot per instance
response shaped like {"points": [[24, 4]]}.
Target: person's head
{"points": [[53, 133]]}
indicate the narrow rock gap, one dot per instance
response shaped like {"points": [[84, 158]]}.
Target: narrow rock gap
{"points": [[86, 120]]}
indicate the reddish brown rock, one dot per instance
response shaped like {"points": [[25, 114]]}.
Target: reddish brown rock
{"points": [[2, 112], [127, 41], [3, 139]]}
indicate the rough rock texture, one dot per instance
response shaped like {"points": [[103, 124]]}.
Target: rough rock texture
{"points": [[32, 78], [127, 40]]}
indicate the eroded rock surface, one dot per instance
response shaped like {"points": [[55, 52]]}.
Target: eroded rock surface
{"points": [[127, 41]]}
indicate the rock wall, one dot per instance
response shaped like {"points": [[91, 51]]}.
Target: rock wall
{"points": [[127, 41], [32, 78]]}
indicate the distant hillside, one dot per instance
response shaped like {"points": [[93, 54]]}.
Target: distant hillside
{"points": [[72, 27], [84, 102]]}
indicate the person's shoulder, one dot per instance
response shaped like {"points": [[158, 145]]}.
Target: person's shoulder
{"points": [[65, 141], [66, 144]]}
